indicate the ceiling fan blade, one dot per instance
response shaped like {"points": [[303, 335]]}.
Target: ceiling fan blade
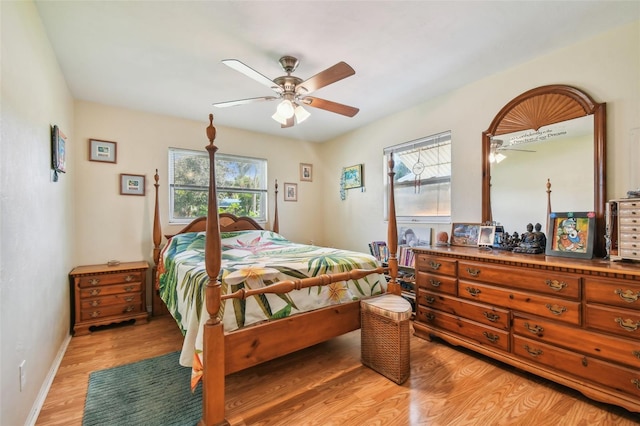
{"points": [[324, 78], [244, 101], [289, 123], [251, 73], [347, 110]]}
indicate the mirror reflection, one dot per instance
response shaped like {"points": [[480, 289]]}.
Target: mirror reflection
{"points": [[522, 162]]}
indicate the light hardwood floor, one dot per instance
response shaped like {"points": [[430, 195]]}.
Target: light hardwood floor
{"points": [[327, 385]]}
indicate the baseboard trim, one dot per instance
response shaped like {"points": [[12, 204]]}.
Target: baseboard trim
{"points": [[44, 389]]}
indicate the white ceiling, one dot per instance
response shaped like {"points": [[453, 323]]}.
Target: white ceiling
{"points": [[164, 56]]}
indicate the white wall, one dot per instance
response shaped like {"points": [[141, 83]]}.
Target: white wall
{"points": [[607, 67], [36, 213]]}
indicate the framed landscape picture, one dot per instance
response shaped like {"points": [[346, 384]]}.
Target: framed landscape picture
{"points": [[352, 176], [465, 234]]}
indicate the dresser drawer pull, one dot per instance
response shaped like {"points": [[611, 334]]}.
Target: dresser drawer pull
{"points": [[555, 309], [95, 292], [627, 295], [129, 278], [95, 302], [129, 308], [536, 329], [556, 285], [473, 272], [128, 288], [473, 291], [491, 337], [627, 324], [430, 316], [129, 299], [95, 314], [491, 316], [430, 299], [434, 265], [585, 361], [434, 283], [636, 354], [533, 352], [94, 281]]}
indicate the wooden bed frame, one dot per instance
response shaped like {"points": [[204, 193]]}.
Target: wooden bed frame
{"points": [[253, 345]]}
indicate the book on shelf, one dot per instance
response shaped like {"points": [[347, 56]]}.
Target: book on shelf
{"points": [[379, 250], [406, 256]]}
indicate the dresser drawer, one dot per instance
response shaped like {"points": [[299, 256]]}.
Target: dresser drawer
{"points": [[114, 299], [544, 306], [616, 377], [623, 322], [439, 283], [552, 283], [437, 265], [486, 336], [110, 289], [106, 279], [109, 311], [478, 312], [625, 351], [612, 292]]}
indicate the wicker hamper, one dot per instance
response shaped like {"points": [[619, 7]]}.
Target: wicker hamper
{"points": [[385, 336]]}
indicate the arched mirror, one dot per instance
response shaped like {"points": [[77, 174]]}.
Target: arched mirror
{"points": [[548, 135]]}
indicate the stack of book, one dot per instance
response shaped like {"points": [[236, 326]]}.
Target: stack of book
{"points": [[379, 250], [406, 257]]}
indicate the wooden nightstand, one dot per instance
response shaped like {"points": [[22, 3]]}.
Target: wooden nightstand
{"points": [[108, 294]]}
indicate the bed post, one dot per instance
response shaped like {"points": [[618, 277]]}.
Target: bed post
{"points": [[276, 225], [213, 345], [157, 228], [392, 235]]}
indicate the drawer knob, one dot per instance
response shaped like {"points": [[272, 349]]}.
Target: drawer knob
{"points": [[473, 291], [435, 283], [627, 324], [95, 303], [636, 382], [95, 292], [636, 354], [128, 288], [430, 299], [94, 281], [493, 338], [473, 272], [129, 308], [533, 352], [491, 316], [430, 317], [129, 299], [556, 309], [434, 265], [627, 295], [95, 314], [536, 329], [128, 278], [556, 285]]}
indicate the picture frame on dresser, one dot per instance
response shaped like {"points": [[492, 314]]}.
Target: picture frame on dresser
{"points": [[571, 234], [465, 234]]}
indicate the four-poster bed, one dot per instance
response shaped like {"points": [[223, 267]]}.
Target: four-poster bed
{"points": [[223, 237]]}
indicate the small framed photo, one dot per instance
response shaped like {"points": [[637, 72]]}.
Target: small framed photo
{"points": [[131, 184], [465, 234], [352, 176], [487, 236], [58, 150], [102, 151], [306, 172], [290, 191], [571, 234]]}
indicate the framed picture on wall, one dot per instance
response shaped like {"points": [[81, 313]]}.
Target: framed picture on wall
{"points": [[352, 176], [306, 172], [571, 234], [290, 191], [131, 184], [102, 151], [58, 150]]}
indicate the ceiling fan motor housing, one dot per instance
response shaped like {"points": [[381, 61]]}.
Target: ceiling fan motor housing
{"points": [[289, 64]]}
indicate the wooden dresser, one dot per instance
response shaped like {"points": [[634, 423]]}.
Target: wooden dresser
{"points": [[573, 321], [108, 294]]}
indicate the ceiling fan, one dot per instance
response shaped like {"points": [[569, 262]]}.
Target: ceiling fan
{"points": [[497, 145], [294, 91]]}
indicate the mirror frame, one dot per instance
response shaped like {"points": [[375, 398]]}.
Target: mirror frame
{"points": [[540, 107]]}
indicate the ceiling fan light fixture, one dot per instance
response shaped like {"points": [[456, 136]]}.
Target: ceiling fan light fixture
{"points": [[496, 158], [301, 114], [280, 119], [285, 109]]}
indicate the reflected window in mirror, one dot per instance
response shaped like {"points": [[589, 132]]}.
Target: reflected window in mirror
{"points": [[422, 180]]}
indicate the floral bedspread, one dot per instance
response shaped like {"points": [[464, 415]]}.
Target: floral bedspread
{"points": [[252, 259]]}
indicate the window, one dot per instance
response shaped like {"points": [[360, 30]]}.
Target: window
{"points": [[241, 184], [422, 179]]}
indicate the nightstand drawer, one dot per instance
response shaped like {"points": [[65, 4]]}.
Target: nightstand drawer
{"points": [[110, 289], [114, 299], [106, 279], [109, 311]]}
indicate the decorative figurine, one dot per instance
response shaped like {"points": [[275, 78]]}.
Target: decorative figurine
{"points": [[532, 242]]}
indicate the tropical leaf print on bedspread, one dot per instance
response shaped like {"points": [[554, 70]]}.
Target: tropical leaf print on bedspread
{"points": [[253, 259]]}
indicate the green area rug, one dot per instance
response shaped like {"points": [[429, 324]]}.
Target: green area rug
{"points": [[154, 391]]}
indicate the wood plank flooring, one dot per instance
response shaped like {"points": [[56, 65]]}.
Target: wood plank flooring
{"points": [[327, 385]]}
